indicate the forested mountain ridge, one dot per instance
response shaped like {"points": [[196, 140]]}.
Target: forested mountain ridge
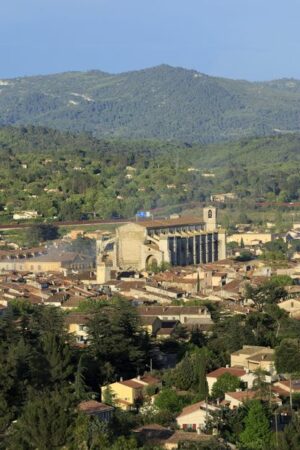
{"points": [[70, 176], [162, 102]]}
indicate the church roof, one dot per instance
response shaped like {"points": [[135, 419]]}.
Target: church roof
{"points": [[166, 223]]}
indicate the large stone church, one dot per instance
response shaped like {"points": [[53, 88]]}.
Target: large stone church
{"points": [[179, 241]]}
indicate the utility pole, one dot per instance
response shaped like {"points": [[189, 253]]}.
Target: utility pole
{"points": [[291, 397], [276, 428]]}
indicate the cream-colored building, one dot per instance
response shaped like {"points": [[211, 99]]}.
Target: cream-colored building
{"points": [[254, 357], [76, 324], [291, 306], [238, 398], [127, 393], [47, 262], [244, 375], [177, 241], [222, 198], [194, 417], [251, 239]]}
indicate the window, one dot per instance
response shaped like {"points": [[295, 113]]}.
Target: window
{"points": [[209, 214]]}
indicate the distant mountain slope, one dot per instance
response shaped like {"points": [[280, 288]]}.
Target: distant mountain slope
{"points": [[162, 102]]}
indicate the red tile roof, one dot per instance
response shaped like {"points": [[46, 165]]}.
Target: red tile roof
{"points": [[132, 384], [242, 395], [232, 370], [93, 406], [195, 407]]}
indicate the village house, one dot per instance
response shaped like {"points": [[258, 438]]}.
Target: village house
{"points": [[253, 357], [128, 393], [243, 375], [23, 215], [291, 306], [286, 387], [151, 324], [237, 398], [194, 417], [222, 198], [251, 238], [176, 440], [97, 409], [76, 324], [186, 315], [156, 435], [38, 261]]}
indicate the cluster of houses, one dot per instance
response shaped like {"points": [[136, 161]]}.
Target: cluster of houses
{"points": [[134, 393], [65, 279]]}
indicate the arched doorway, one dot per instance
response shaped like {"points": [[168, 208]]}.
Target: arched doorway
{"points": [[151, 262]]}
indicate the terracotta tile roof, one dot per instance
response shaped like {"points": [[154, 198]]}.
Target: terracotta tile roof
{"points": [[232, 370], [249, 350], [149, 379], [195, 407], [148, 320], [279, 391], [171, 310], [91, 406], [165, 331], [132, 384], [181, 436], [242, 395], [232, 286], [262, 356], [285, 385], [77, 318], [191, 408], [73, 302]]}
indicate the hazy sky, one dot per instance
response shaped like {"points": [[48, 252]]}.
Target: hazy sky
{"points": [[251, 39]]}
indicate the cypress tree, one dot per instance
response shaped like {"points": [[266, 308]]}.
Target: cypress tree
{"points": [[256, 434], [184, 374], [200, 383]]}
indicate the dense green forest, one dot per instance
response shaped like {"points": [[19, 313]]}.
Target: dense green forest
{"points": [[162, 102], [70, 176]]}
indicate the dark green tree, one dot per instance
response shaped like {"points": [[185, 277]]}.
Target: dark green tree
{"points": [[225, 383], [287, 356], [184, 374], [117, 341], [41, 233], [199, 371], [268, 293], [290, 438], [91, 433], [46, 422], [197, 337], [58, 356], [80, 386], [257, 434], [168, 400], [108, 396]]}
